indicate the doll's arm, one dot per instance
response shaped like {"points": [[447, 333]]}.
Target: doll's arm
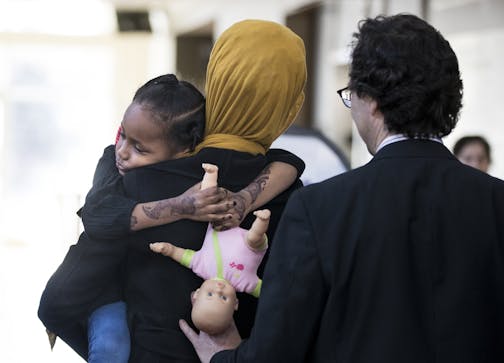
{"points": [[168, 250]]}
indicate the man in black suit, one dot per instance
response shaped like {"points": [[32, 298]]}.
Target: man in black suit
{"points": [[401, 260]]}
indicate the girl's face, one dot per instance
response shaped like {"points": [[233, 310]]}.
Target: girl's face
{"points": [[142, 141]]}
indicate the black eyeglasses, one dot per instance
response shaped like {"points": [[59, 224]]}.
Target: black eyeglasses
{"points": [[346, 96]]}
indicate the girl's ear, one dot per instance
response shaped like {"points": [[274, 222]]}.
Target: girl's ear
{"points": [[182, 153], [236, 304]]}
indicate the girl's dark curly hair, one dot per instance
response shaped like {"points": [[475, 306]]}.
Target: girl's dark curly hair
{"points": [[411, 71], [178, 106]]}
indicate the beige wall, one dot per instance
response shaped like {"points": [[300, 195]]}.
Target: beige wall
{"points": [[467, 24], [475, 29]]}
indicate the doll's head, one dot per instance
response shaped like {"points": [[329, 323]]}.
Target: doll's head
{"points": [[213, 306]]}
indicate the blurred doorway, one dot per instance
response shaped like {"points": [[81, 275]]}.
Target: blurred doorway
{"points": [[193, 51], [305, 23]]}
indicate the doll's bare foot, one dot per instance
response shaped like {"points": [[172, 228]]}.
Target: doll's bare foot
{"points": [[256, 236], [210, 177], [264, 215]]}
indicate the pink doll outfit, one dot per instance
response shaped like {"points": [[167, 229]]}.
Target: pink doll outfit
{"points": [[226, 255]]}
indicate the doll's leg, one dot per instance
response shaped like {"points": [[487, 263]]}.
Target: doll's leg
{"points": [[256, 237], [108, 334], [210, 177]]}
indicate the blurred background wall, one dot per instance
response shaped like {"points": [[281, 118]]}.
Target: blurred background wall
{"points": [[69, 68]]}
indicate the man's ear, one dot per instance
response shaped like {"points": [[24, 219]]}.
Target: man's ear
{"points": [[194, 296], [374, 110], [236, 304]]}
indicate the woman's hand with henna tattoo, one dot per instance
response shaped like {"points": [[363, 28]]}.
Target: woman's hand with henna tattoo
{"points": [[241, 202], [209, 205]]}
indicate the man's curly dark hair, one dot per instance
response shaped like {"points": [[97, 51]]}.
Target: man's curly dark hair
{"points": [[411, 71]]}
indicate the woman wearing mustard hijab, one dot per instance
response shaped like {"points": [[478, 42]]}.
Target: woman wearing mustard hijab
{"points": [[254, 89], [254, 86]]}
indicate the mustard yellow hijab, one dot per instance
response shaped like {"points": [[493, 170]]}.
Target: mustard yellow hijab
{"points": [[254, 86]]}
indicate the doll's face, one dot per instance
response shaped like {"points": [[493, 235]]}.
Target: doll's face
{"points": [[213, 306]]}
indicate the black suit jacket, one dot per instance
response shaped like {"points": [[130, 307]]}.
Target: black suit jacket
{"points": [[400, 260]]}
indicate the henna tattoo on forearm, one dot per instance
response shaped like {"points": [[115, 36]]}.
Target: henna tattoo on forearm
{"points": [[186, 207], [153, 212], [239, 205], [257, 186], [164, 211], [251, 192]]}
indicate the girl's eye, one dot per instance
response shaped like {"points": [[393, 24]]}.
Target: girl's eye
{"points": [[223, 297], [209, 294], [139, 149]]}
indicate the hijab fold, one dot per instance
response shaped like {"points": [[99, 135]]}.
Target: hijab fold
{"points": [[254, 86]]}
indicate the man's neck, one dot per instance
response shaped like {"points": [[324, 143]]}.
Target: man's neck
{"points": [[390, 139]]}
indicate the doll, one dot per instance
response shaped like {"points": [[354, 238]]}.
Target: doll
{"points": [[228, 261]]}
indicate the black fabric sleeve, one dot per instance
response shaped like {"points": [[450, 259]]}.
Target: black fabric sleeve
{"points": [[286, 157], [292, 298], [106, 213]]}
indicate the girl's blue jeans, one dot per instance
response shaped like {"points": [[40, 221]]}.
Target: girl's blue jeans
{"points": [[108, 334]]}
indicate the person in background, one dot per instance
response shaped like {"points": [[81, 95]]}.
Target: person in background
{"points": [[402, 259], [473, 151]]}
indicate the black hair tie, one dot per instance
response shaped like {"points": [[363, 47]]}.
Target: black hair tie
{"points": [[169, 79]]}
